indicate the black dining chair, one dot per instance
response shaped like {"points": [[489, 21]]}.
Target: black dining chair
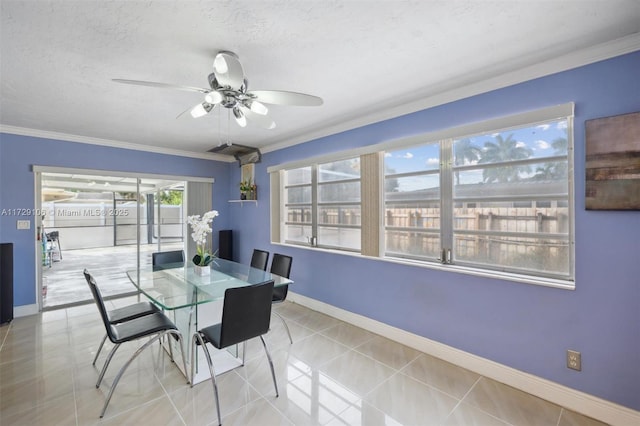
{"points": [[259, 259], [246, 313], [281, 265], [124, 314], [167, 259], [155, 326]]}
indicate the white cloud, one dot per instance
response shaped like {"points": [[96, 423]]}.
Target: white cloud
{"points": [[408, 155], [470, 177], [562, 125], [541, 144], [544, 126], [432, 161], [520, 144], [387, 154], [495, 134]]}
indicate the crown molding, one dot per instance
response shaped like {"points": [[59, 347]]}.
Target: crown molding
{"points": [[592, 54], [22, 131], [596, 53]]}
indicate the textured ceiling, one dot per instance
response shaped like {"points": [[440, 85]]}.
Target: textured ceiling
{"points": [[362, 57]]}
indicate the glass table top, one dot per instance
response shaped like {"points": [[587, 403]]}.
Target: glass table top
{"points": [[175, 286]]}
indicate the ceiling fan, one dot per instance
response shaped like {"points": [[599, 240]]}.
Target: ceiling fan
{"points": [[228, 87]]}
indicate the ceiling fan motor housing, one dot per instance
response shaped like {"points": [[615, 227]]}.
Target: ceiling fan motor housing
{"points": [[231, 96]]}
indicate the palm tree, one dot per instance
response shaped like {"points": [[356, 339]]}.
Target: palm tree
{"points": [[560, 145], [556, 170], [390, 184], [464, 152], [504, 150]]}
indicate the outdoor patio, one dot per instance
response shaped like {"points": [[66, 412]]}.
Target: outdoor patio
{"points": [[65, 283]]}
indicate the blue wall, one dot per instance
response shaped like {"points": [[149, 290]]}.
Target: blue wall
{"points": [[19, 153], [524, 326]]}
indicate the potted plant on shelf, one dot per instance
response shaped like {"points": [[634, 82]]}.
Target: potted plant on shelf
{"points": [[201, 228], [245, 189]]}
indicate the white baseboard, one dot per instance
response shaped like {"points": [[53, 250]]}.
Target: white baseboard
{"points": [[25, 310], [564, 396]]}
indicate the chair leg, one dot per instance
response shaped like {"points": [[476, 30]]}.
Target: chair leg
{"points": [[193, 358], [196, 336], [170, 350], [273, 372], [104, 339], [124, 368], [285, 326], [184, 358], [106, 364]]}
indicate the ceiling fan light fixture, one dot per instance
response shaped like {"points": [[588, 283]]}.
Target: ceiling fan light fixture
{"points": [[201, 110], [240, 118], [258, 108], [213, 97], [220, 64]]}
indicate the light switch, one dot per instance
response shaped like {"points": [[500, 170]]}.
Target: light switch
{"points": [[24, 224]]}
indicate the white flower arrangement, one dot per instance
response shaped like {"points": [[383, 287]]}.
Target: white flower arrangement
{"points": [[201, 228]]}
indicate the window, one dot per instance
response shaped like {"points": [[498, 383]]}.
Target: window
{"points": [[323, 205], [510, 200], [298, 207], [412, 202], [338, 204], [491, 196]]}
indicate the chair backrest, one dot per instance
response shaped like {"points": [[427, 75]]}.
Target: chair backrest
{"points": [[97, 297], [281, 265], [246, 313], [259, 259], [167, 259]]}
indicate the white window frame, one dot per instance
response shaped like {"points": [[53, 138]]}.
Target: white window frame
{"points": [[529, 118], [315, 205]]}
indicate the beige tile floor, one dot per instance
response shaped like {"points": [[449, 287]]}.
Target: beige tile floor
{"points": [[333, 374]]}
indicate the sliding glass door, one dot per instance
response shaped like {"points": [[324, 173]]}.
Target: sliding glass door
{"points": [[108, 224]]}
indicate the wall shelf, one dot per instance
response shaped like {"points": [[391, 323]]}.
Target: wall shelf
{"points": [[244, 201]]}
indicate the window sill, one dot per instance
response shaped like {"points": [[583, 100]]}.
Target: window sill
{"points": [[507, 276], [244, 201]]}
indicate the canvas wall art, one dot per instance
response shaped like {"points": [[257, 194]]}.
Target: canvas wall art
{"points": [[613, 163]]}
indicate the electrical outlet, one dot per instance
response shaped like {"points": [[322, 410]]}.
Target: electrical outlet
{"points": [[574, 360]]}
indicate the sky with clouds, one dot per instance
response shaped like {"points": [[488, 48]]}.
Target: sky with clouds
{"points": [[537, 138]]}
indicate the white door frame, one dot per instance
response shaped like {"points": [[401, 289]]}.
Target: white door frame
{"points": [[38, 170]]}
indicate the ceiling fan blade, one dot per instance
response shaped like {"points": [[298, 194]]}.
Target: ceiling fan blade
{"points": [[258, 119], [184, 112], [228, 70], [162, 85], [282, 97]]}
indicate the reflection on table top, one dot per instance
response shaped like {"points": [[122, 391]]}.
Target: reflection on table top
{"points": [[178, 286]]}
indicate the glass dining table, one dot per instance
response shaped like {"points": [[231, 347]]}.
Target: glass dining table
{"points": [[195, 301]]}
